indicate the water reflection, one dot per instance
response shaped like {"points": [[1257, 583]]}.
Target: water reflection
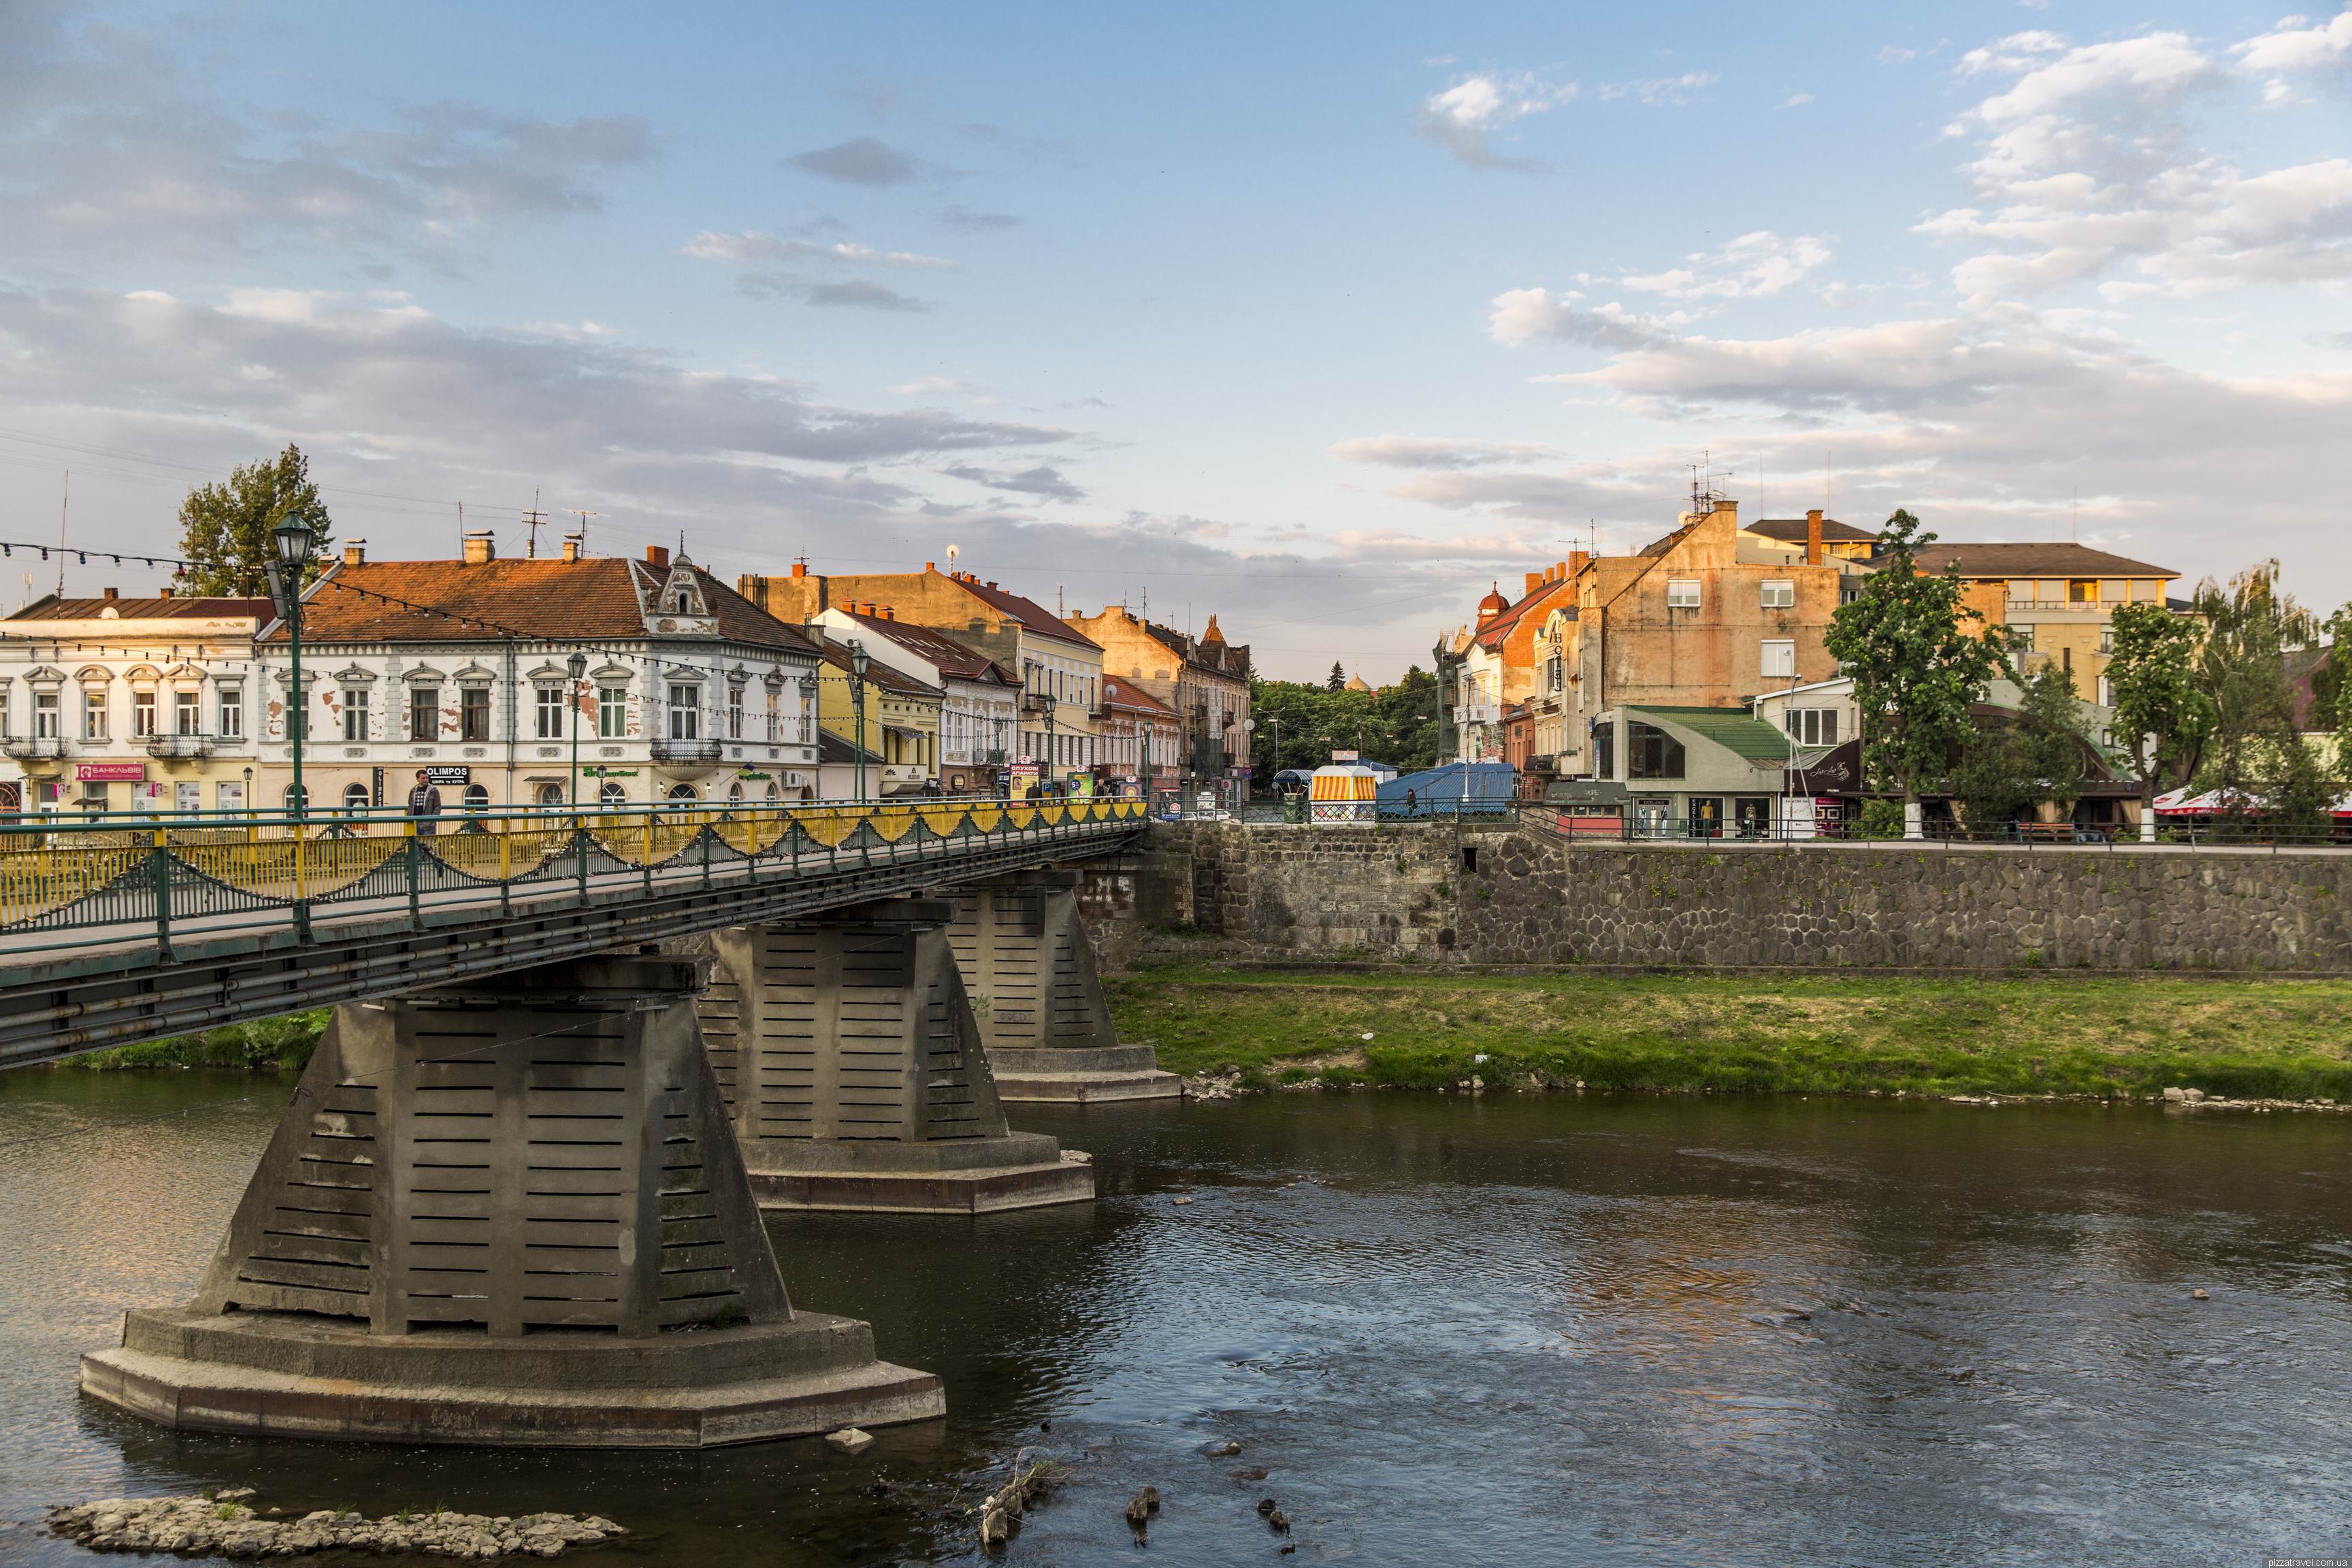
{"points": [[1557, 1329]]}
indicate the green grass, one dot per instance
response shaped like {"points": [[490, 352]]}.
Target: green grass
{"points": [[272, 1045], [2055, 1034]]}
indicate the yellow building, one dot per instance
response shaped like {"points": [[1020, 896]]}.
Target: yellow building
{"points": [[901, 735], [2060, 597]]}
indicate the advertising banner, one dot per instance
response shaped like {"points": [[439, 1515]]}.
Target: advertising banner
{"points": [[109, 772], [447, 774]]}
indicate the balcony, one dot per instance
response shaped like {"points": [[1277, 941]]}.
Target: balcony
{"points": [[993, 758], [168, 748], [34, 748], [687, 752]]}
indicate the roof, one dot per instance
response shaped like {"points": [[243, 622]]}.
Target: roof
{"points": [[1492, 631], [1734, 729], [52, 608], [1222, 657], [1034, 616], [1121, 692], [833, 748], [953, 659], [1797, 530], [880, 674], [2034, 561], [592, 600]]}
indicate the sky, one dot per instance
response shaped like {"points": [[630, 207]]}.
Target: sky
{"points": [[1317, 318]]}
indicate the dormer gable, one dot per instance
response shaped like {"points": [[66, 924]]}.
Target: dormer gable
{"points": [[672, 600]]}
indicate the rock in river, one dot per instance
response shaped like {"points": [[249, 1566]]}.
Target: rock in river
{"points": [[224, 1526]]}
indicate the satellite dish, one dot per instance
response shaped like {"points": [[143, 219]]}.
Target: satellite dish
{"points": [[953, 552]]}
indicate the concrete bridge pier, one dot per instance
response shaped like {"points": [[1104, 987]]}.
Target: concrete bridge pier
{"points": [[848, 1058], [1026, 959], [506, 1212]]}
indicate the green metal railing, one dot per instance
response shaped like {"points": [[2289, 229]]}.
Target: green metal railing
{"points": [[131, 876]]}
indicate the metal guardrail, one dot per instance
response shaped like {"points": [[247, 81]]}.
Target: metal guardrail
{"points": [[72, 881]]}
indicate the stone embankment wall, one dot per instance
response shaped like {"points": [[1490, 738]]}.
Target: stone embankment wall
{"points": [[1410, 891]]}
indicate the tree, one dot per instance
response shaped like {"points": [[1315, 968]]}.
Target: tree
{"points": [[225, 529], [1916, 667], [2050, 737], [2163, 717], [1337, 680], [2255, 758], [2331, 691]]}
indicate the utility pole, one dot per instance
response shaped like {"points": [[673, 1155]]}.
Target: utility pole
{"points": [[531, 520]]}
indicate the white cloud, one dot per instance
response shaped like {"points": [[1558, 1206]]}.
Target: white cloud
{"points": [[1761, 263], [2294, 44], [2085, 169], [751, 245], [1669, 90], [1797, 101], [1427, 452], [1465, 117], [1523, 315]]}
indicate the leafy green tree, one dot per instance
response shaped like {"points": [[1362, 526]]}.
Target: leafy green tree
{"points": [[2163, 716], [2050, 737], [1916, 667], [2331, 688], [2255, 757], [1300, 724], [225, 528], [1990, 780], [1337, 680]]}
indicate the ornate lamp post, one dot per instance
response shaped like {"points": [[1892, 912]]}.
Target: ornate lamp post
{"points": [[293, 542], [1051, 760], [578, 664], [1249, 750], [1146, 769], [858, 660]]}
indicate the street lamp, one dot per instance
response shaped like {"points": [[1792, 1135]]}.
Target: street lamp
{"points": [[1051, 761], [1249, 748], [578, 664], [293, 542], [858, 660], [1146, 784]]}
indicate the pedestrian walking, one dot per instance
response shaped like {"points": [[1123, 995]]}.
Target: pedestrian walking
{"points": [[424, 803]]}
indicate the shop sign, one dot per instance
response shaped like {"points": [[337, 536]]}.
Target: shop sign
{"points": [[437, 774], [1839, 771], [1347, 756], [109, 772], [597, 773]]}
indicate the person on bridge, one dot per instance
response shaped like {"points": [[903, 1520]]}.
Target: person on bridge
{"points": [[424, 803]]}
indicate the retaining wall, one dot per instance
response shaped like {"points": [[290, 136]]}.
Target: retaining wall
{"points": [[1403, 892]]}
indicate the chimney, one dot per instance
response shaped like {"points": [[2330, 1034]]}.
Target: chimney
{"points": [[354, 551], [1559, 570], [866, 608], [1576, 560], [167, 593], [889, 614], [481, 549], [800, 568], [991, 585], [658, 557], [1535, 581], [1813, 537], [571, 549], [930, 566], [113, 592]]}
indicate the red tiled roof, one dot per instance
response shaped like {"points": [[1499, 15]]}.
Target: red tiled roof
{"points": [[951, 658], [1795, 531], [158, 609], [880, 674], [1124, 693], [595, 599], [2033, 560], [1032, 616], [1491, 634]]}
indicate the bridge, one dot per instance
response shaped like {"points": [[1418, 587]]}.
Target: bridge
{"points": [[516, 1197], [115, 930]]}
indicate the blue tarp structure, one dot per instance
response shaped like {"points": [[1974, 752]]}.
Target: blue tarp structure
{"points": [[1471, 788]]}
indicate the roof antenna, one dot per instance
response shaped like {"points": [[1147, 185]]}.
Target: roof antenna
{"points": [[532, 518], [2075, 517], [583, 517], [65, 499]]}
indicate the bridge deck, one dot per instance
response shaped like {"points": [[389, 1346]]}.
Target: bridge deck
{"points": [[114, 932]]}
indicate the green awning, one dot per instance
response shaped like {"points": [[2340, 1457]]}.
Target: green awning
{"points": [[1734, 729]]}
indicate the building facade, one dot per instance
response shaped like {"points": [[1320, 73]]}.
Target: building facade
{"points": [[2059, 599], [979, 699], [131, 704], [1132, 721], [1059, 669], [899, 717], [1205, 679], [463, 669]]}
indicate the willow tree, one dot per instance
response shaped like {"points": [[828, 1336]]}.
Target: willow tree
{"points": [[1916, 666], [2257, 758]]}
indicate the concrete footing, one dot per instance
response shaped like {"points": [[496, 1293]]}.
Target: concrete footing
{"points": [[1025, 958], [850, 1063], [510, 1212]]}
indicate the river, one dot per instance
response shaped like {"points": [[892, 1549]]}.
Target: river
{"points": [[1541, 1330]]}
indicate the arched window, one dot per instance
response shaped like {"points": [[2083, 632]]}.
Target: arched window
{"points": [[612, 793], [478, 797], [735, 791], [683, 792], [551, 795], [356, 799], [772, 792], [294, 803]]}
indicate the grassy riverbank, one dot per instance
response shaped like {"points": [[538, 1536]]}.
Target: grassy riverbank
{"points": [[2127, 1035], [272, 1045]]}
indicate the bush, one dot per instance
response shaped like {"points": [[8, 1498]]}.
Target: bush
{"points": [[282, 1044]]}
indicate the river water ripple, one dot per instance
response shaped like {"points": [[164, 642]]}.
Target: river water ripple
{"points": [[1560, 1329]]}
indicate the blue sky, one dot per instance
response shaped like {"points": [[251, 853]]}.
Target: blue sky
{"points": [[1319, 318]]}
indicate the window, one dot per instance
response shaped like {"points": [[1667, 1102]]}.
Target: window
{"points": [[2079, 592], [187, 713], [355, 798], [612, 712], [93, 715], [612, 793], [1813, 726], [232, 710], [776, 716], [423, 712], [2023, 635], [2106, 639], [45, 715], [1651, 754], [1604, 752], [474, 713], [2021, 590], [684, 713], [1780, 661], [478, 797], [1682, 593], [1779, 595], [143, 715], [547, 710], [355, 713], [734, 713]]}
